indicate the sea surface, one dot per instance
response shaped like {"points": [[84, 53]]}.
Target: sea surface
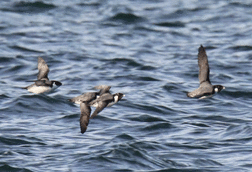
{"points": [[146, 49]]}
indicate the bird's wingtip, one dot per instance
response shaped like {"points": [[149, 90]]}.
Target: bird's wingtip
{"points": [[201, 48]]}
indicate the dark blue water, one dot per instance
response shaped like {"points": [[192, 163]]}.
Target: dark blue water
{"points": [[144, 49]]}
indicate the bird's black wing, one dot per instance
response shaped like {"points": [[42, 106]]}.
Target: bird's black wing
{"points": [[84, 118], [203, 65], [103, 97], [103, 89], [101, 106], [43, 69]]}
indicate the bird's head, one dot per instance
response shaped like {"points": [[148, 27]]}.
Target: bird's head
{"points": [[218, 88]]}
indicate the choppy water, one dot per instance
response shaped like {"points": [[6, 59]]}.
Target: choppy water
{"points": [[144, 49]]}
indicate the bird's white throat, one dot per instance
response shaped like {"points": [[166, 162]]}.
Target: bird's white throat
{"points": [[115, 99]]}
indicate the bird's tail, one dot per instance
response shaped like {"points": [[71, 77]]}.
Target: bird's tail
{"points": [[24, 87]]}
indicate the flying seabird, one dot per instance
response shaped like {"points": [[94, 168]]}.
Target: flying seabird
{"points": [[99, 99], [43, 84], [205, 89]]}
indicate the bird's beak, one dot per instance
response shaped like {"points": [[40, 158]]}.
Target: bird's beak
{"points": [[224, 88], [124, 95]]}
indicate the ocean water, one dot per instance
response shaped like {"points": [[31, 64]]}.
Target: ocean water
{"points": [[144, 49]]}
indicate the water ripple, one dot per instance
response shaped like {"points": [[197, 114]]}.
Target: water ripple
{"points": [[34, 7], [126, 18]]}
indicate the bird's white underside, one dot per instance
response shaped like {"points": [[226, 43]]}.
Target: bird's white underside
{"points": [[41, 89]]}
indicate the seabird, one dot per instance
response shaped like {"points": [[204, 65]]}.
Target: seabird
{"points": [[100, 100], [105, 100], [43, 84], [205, 89]]}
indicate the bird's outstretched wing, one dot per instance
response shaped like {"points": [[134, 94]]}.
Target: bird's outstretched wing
{"points": [[103, 89], [99, 108], [43, 69], [203, 65], [104, 97], [84, 118]]}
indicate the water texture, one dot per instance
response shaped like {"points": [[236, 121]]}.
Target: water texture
{"points": [[144, 49]]}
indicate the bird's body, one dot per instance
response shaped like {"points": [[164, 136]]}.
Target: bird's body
{"points": [[85, 97], [205, 89], [103, 101], [38, 89], [91, 95]]}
